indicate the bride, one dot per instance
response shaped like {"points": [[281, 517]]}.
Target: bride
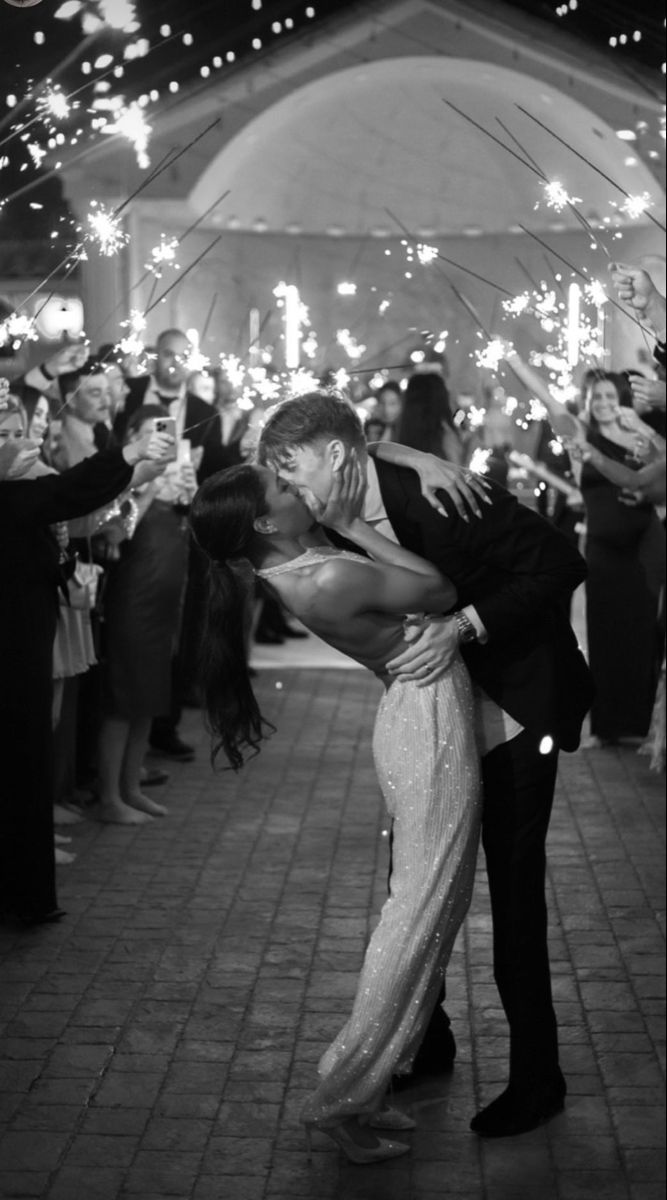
{"points": [[423, 747]]}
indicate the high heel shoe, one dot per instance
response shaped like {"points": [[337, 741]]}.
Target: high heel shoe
{"points": [[361, 1155], [392, 1118]]}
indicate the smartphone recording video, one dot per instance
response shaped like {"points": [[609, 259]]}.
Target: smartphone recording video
{"points": [[168, 425]]}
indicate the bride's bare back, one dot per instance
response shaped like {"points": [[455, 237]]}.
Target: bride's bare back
{"points": [[328, 591]]}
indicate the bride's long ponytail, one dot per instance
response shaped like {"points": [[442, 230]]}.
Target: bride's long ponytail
{"points": [[221, 519]]}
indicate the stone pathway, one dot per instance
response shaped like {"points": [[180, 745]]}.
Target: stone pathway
{"points": [[158, 1042]]}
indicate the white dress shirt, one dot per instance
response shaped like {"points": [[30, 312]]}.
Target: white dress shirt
{"points": [[493, 726]]}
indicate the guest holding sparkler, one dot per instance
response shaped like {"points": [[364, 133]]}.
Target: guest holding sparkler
{"points": [[31, 577], [624, 552]]}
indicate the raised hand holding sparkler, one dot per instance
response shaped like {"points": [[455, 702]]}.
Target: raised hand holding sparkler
{"points": [[635, 287]]}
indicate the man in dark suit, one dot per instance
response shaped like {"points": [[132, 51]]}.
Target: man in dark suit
{"points": [[515, 576], [195, 419]]}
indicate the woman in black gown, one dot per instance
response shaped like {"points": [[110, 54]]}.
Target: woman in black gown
{"points": [[31, 577], [626, 570]]}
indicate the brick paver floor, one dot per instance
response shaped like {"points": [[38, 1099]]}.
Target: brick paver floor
{"points": [[158, 1042]]}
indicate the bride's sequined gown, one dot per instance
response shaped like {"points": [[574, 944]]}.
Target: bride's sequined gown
{"points": [[427, 765]]}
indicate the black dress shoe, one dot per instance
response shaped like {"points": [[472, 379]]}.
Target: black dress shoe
{"points": [[29, 917], [518, 1111], [153, 777], [436, 1057], [268, 637], [171, 746]]}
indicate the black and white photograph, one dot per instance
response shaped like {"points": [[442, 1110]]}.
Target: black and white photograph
{"points": [[332, 599]]}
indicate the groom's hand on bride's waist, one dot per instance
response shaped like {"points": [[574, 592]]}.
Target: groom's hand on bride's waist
{"points": [[431, 650]]}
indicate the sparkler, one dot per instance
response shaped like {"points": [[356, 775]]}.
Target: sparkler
{"points": [[131, 123], [588, 162], [479, 461], [187, 270], [55, 103], [556, 196], [209, 316], [439, 255], [105, 230], [350, 345], [426, 254], [636, 206], [162, 254], [16, 329], [491, 356], [518, 304], [132, 343]]}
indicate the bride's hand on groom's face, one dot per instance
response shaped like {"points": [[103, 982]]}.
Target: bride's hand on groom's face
{"points": [[430, 653], [346, 500]]}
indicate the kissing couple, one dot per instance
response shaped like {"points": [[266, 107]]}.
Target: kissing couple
{"points": [[464, 618]]}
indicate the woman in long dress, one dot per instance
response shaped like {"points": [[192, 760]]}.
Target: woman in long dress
{"points": [[625, 554], [423, 746]]}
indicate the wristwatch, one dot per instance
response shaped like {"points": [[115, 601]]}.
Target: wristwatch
{"points": [[467, 631]]}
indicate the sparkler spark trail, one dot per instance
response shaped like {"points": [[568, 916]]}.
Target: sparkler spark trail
{"points": [[162, 254], [426, 254], [491, 356], [131, 124], [557, 197], [588, 162], [105, 230], [55, 103], [636, 206], [350, 345], [459, 267], [17, 328], [133, 343], [181, 277]]}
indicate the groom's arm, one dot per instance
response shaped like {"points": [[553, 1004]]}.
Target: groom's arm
{"points": [[536, 565]]}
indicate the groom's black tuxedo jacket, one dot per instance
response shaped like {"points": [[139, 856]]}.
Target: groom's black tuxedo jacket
{"points": [[519, 573]]}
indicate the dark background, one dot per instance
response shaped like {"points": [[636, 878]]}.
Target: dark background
{"points": [[217, 26]]}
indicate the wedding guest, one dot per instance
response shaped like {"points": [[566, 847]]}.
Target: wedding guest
{"points": [[626, 573], [142, 610], [202, 385], [427, 419], [167, 385], [28, 612], [389, 409]]}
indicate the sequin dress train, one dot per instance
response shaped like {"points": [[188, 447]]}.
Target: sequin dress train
{"points": [[427, 764]]}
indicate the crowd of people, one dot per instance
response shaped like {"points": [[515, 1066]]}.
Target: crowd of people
{"points": [[126, 584], [146, 533]]}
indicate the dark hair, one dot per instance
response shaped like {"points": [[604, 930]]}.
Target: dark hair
{"points": [[426, 408], [30, 398], [145, 412], [70, 380], [169, 333], [305, 420], [222, 520], [389, 385], [600, 377]]}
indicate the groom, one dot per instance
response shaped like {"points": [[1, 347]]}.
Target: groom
{"points": [[515, 576]]}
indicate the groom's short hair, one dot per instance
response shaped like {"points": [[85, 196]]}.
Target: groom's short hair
{"points": [[305, 420]]}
